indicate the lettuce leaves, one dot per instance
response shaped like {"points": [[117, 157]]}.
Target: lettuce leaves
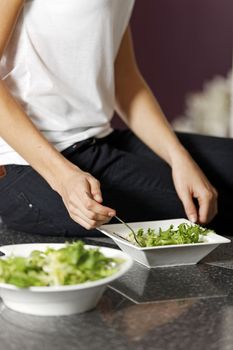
{"points": [[184, 234], [72, 264]]}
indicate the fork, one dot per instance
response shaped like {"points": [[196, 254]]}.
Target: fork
{"points": [[130, 228]]}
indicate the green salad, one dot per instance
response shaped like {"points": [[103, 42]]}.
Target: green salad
{"points": [[184, 234], [72, 264]]}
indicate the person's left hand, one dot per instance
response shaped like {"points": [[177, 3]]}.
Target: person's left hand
{"points": [[190, 182]]}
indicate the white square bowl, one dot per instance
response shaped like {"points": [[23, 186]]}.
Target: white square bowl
{"points": [[161, 256]]}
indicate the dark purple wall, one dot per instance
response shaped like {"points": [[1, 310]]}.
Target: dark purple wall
{"points": [[181, 43]]}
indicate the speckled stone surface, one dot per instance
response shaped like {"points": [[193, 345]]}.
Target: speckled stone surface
{"points": [[178, 308]]}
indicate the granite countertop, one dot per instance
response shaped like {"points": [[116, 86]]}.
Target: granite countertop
{"points": [[188, 307]]}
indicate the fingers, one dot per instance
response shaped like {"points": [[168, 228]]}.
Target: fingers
{"points": [[84, 202], [90, 205], [207, 206], [86, 222], [89, 213], [95, 189], [189, 206], [96, 213], [207, 200], [190, 182]]}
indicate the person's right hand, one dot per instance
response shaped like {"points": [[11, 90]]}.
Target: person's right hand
{"points": [[81, 194]]}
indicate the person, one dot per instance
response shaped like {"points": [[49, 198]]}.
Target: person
{"points": [[66, 66]]}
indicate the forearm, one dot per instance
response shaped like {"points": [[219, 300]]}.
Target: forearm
{"points": [[20, 133], [79, 190], [137, 106]]}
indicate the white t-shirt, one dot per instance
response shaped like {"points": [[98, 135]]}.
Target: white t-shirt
{"points": [[59, 65]]}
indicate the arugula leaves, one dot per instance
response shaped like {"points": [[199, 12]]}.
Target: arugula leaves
{"points": [[184, 234], [72, 264]]}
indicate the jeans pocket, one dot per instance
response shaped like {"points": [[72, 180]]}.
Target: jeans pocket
{"points": [[20, 214], [13, 174]]}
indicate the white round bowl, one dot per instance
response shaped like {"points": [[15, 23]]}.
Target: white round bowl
{"points": [[59, 300]]}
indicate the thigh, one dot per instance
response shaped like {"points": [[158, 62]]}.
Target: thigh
{"points": [[213, 154], [134, 181], [28, 204], [138, 188], [215, 157]]}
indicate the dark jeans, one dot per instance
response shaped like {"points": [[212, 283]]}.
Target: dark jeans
{"points": [[134, 181]]}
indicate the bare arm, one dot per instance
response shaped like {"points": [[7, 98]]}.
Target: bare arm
{"points": [[76, 187], [138, 107]]}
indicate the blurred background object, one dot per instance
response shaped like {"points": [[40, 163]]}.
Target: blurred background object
{"points": [[231, 105], [184, 47], [208, 112]]}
